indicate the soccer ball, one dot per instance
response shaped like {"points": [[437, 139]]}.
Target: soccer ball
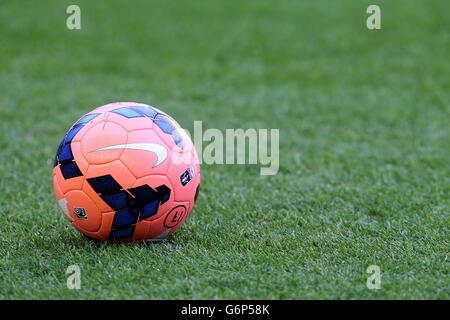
{"points": [[126, 172]]}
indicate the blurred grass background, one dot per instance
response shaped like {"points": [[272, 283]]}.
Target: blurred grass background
{"points": [[363, 118]]}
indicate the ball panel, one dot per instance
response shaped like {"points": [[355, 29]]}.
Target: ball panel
{"points": [[86, 122], [165, 191], [185, 178], [79, 157], [67, 185], [115, 105], [61, 200], [161, 227], [192, 203], [120, 178], [171, 133], [144, 230], [104, 230], [85, 214], [57, 189], [142, 157], [101, 144], [131, 123]]}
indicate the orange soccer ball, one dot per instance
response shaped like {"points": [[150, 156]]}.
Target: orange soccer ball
{"points": [[126, 172]]}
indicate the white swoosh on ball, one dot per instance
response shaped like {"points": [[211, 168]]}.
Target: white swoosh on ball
{"points": [[157, 149]]}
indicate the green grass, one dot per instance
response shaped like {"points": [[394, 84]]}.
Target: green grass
{"points": [[364, 135]]}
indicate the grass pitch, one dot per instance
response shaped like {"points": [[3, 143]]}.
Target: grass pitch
{"points": [[363, 118]]}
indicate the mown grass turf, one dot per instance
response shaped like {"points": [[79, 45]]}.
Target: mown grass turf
{"points": [[363, 118]]}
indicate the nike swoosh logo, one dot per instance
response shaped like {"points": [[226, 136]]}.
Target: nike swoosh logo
{"points": [[157, 149]]}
